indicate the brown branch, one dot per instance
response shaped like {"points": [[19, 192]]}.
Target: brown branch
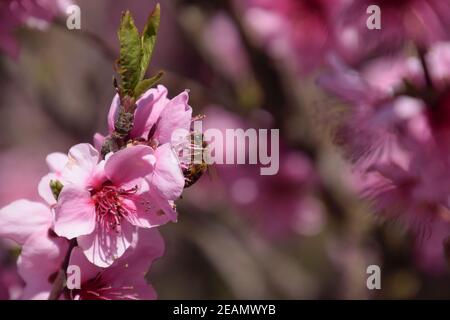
{"points": [[60, 282]]}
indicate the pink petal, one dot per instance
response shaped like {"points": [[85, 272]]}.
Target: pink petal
{"points": [[113, 111], [98, 175], [143, 290], [56, 162], [149, 107], [148, 246], [103, 247], [166, 206], [167, 177], [40, 259], [83, 159], [88, 270], [176, 115], [129, 164], [99, 139], [75, 213], [44, 189], [151, 211], [130, 270], [22, 218]]}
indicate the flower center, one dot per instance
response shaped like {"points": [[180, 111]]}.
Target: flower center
{"points": [[98, 288], [110, 206]]}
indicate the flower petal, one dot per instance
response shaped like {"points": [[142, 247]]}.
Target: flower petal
{"points": [[151, 210], [149, 245], [149, 107], [130, 270], [56, 161], [44, 189], [113, 112], [176, 115], [83, 159], [74, 213], [103, 247], [143, 290], [99, 139], [22, 218], [167, 176], [38, 263], [88, 270], [129, 164]]}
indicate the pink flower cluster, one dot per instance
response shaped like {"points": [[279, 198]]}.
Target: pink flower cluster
{"points": [[396, 132], [35, 13], [395, 82], [103, 211], [305, 32]]}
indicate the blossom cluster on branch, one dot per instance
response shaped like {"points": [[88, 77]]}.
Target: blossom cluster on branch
{"points": [[102, 203], [95, 233]]}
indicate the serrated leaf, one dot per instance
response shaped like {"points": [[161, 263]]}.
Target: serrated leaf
{"points": [[130, 54], [149, 38], [146, 84]]}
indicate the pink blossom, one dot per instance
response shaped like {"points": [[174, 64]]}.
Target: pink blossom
{"points": [[56, 162], [399, 141], [156, 117], [422, 21], [15, 13], [29, 225], [103, 201], [298, 31], [125, 278], [42, 257]]}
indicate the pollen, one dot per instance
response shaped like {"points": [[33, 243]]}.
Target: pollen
{"points": [[110, 207]]}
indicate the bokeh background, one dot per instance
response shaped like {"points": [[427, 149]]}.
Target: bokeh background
{"points": [[302, 234]]}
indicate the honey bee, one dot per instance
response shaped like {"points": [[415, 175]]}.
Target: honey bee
{"points": [[193, 173], [193, 170]]}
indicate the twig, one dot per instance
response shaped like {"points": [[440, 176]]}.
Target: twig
{"points": [[60, 281]]}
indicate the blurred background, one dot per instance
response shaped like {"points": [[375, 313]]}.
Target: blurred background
{"points": [[301, 234]]}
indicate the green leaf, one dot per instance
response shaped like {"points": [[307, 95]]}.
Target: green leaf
{"points": [[149, 38], [129, 66], [146, 84]]}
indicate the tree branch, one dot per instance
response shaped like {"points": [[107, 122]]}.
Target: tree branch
{"points": [[60, 282]]}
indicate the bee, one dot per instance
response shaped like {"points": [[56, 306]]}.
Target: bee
{"points": [[193, 170], [193, 173], [194, 164]]}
